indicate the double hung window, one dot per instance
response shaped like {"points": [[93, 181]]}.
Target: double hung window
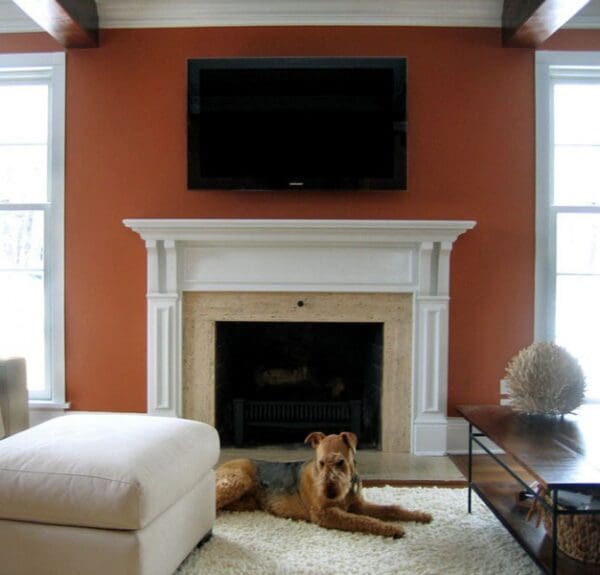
{"points": [[568, 207], [32, 106]]}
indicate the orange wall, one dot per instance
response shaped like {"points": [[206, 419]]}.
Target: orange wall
{"points": [[471, 156]]}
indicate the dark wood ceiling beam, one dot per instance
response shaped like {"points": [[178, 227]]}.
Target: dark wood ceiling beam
{"points": [[73, 23], [528, 23]]}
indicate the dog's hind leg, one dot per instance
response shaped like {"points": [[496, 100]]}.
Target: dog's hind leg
{"points": [[245, 503], [236, 480]]}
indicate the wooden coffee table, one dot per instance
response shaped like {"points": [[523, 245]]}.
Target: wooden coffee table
{"points": [[561, 453]]}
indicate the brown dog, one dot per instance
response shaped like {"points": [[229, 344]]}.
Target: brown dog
{"points": [[325, 490]]}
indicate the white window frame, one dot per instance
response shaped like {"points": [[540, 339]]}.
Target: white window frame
{"points": [[546, 213], [50, 65]]}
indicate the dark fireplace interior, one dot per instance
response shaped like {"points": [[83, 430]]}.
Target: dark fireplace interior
{"points": [[278, 381]]}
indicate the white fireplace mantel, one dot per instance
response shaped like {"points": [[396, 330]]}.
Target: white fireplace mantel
{"points": [[395, 256]]}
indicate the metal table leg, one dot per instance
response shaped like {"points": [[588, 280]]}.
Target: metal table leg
{"points": [[554, 528], [470, 477]]}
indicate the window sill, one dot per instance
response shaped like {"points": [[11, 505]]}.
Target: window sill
{"points": [[44, 404]]}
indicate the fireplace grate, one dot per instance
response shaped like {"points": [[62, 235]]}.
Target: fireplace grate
{"points": [[310, 415]]}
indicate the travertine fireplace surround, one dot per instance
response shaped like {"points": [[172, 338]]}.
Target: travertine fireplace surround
{"points": [[201, 311], [396, 272]]}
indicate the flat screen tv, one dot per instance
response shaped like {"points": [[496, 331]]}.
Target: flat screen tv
{"points": [[282, 123]]}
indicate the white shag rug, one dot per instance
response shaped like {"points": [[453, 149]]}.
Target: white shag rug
{"points": [[455, 543]]}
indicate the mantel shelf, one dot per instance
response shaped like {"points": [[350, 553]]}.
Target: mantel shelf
{"points": [[292, 230]]}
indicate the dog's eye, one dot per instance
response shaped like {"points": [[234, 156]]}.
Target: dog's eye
{"points": [[321, 464], [340, 463]]}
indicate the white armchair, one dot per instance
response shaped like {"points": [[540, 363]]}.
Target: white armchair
{"points": [[14, 409]]}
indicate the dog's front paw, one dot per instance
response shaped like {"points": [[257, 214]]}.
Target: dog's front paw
{"points": [[396, 531], [423, 517]]}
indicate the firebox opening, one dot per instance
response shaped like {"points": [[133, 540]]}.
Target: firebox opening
{"points": [[277, 381]]}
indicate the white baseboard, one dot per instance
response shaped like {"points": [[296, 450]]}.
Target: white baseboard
{"points": [[430, 437], [446, 436], [458, 438]]}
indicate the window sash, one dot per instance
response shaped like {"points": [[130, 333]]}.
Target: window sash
{"points": [[46, 393]]}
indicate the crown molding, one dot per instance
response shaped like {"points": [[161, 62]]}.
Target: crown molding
{"points": [[211, 13], [192, 13], [128, 14]]}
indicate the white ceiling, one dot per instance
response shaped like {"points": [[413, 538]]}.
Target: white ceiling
{"points": [[190, 13]]}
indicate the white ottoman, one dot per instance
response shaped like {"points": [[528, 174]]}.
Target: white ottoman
{"points": [[105, 494]]}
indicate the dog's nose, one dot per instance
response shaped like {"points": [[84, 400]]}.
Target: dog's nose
{"points": [[331, 492]]}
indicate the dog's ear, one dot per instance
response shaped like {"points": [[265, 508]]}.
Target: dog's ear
{"points": [[350, 440], [314, 438]]}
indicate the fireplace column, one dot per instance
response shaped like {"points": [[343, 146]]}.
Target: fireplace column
{"points": [[164, 332], [430, 398]]}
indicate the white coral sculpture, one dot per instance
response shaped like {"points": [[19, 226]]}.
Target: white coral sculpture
{"points": [[545, 378]]}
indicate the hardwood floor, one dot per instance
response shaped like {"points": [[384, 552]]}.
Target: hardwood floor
{"points": [[486, 468]]}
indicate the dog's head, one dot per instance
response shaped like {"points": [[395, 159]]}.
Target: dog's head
{"points": [[335, 469]]}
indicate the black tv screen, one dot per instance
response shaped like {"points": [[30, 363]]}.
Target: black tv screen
{"points": [[281, 123]]}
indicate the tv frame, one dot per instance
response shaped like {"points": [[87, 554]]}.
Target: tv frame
{"points": [[398, 181]]}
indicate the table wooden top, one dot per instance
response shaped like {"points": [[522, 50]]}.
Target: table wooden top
{"points": [[559, 451]]}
